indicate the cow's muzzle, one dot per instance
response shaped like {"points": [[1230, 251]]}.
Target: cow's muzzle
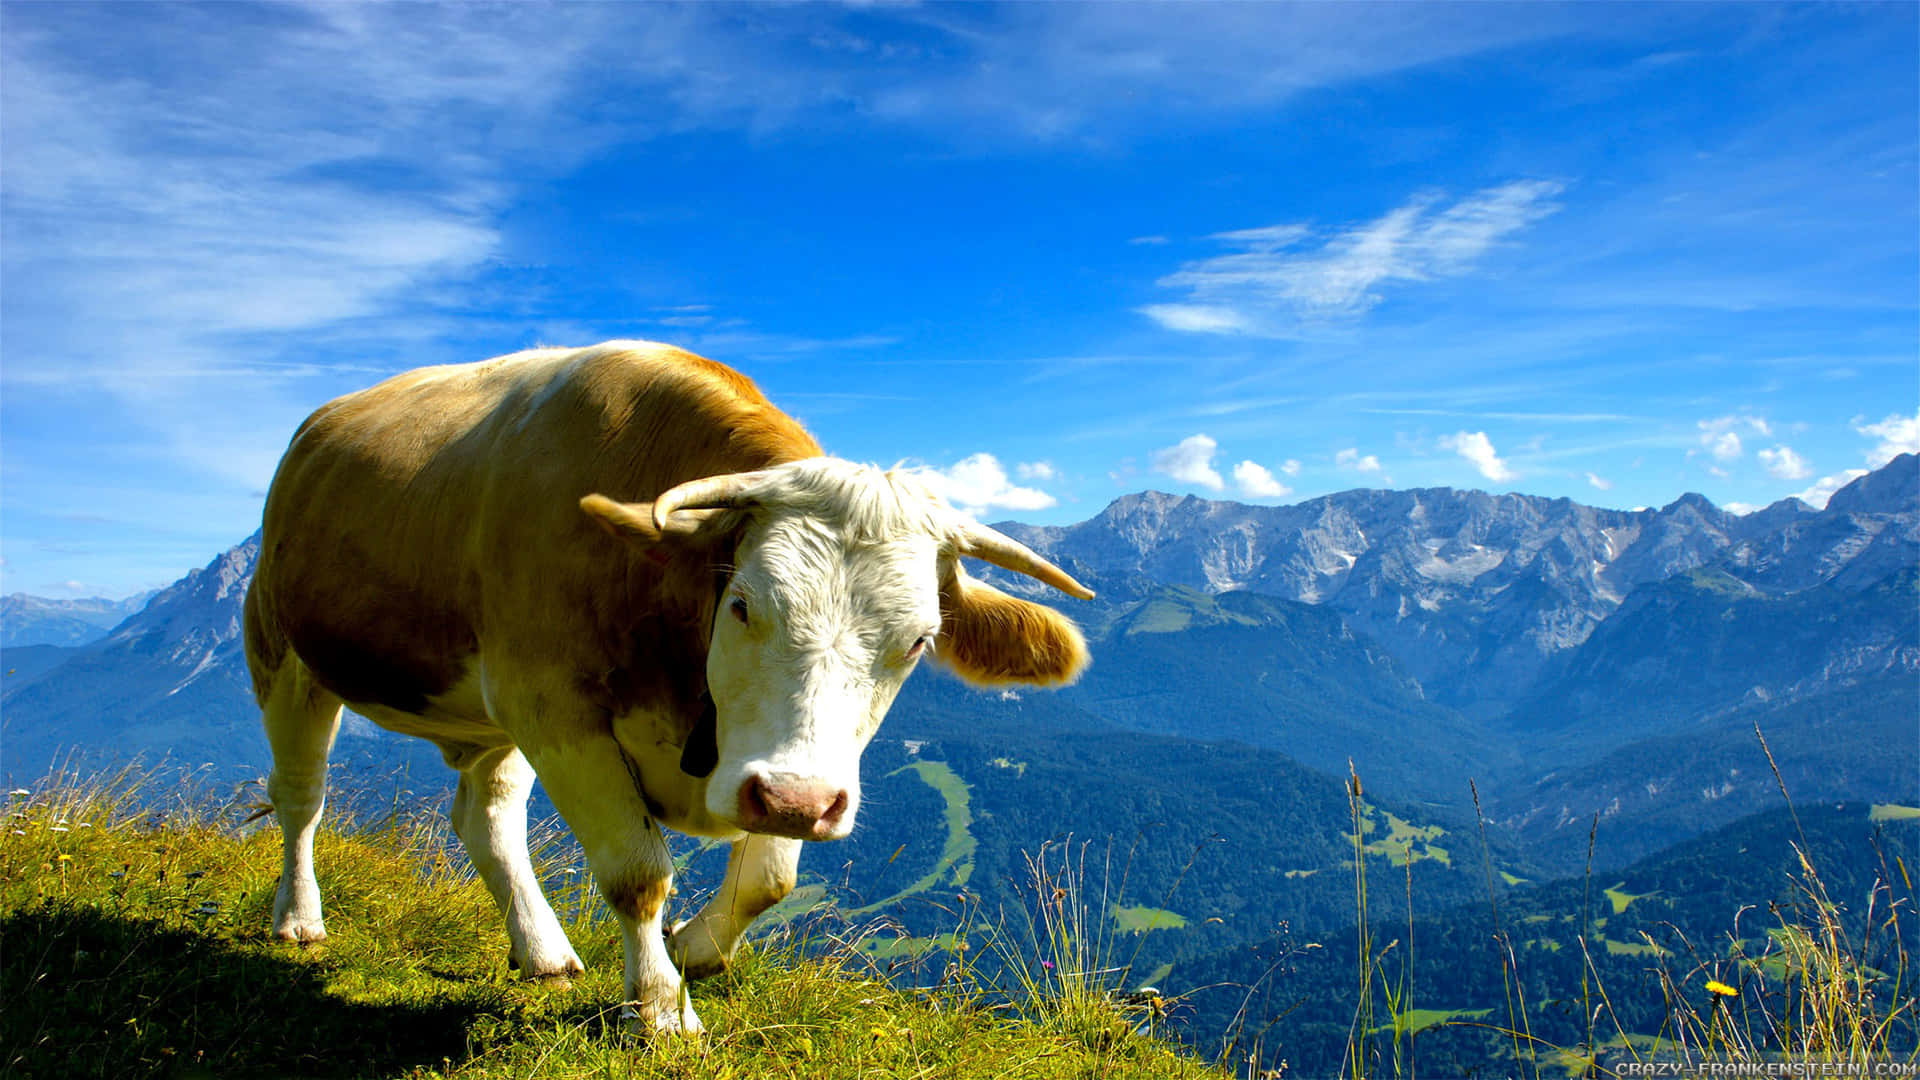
{"points": [[782, 804]]}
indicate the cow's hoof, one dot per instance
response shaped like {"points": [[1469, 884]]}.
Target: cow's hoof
{"points": [[694, 953], [301, 931], [556, 972], [648, 1021]]}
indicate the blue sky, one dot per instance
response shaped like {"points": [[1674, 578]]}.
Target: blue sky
{"points": [[1056, 253]]}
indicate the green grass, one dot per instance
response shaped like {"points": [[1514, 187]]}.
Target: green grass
{"points": [[1161, 617], [955, 865], [1893, 812], [1622, 899], [1138, 919], [906, 946], [1404, 841], [1414, 1021], [139, 947], [1722, 583]]}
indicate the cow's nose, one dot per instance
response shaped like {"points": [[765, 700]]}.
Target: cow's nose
{"points": [[786, 805]]}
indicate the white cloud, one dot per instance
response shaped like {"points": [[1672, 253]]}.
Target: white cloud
{"points": [[1042, 471], [1782, 462], [1198, 318], [1284, 275], [1154, 240], [1739, 509], [1600, 482], [1351, 458], [1897, 434], [1720, 437], [1475, 447], [1823, 489], [1894, 437], [1291, 467], [979, 483], [1190, 461], [1258, 481]]}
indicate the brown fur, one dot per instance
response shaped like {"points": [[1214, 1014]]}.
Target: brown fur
{"points": [[991, 639], [411, 520], [637, 899]]}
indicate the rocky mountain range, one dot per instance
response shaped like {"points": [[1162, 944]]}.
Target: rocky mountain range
{"points": [[1475, 595], [1536, 645], [36, 620]]}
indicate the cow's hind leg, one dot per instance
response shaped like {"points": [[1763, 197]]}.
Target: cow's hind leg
{"points": [[301, 719], [760, 871], [490, 817]]}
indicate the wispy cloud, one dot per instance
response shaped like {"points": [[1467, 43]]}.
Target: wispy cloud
{"points": [[1353, 460], [979, 483], [1200, 318], [1475, 447], [1599, 482], [1524, 417], [1058, 71], [1228, 408], [1190, 461], [1281, 277], [1258, 481]]}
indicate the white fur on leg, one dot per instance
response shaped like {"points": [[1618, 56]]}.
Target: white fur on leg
{"points": [[760, 871], [586, 777], [655, 992], [296, 906], [490, 817], [300, 719]]}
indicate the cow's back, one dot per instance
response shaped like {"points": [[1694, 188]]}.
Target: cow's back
{"points": [[412, 521]]}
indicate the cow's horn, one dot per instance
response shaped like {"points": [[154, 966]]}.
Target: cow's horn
{"points": [[1003, 551], [708, 492]]}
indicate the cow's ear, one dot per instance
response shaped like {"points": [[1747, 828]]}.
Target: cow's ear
{"points": [[991, 639], [633, 522]]}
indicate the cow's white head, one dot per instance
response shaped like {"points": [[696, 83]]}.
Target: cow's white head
{"points": [[844, 576]]}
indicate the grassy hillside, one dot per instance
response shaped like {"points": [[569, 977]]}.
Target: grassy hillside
{"points": [[1803, 917], [136, 945]]}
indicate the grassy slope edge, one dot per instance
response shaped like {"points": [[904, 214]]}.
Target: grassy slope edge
{"points": [[136, 944]]}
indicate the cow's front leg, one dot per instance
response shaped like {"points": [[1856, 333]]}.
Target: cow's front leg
{"points": [[760, 871], [490, 817], [589, 781]]}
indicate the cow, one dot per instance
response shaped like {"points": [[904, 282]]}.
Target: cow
{"points": [[623, 571]]}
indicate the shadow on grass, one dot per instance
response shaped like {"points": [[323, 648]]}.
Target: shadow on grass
{"points": [[91, 995]]}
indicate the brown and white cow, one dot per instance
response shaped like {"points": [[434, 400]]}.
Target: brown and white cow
{"points": [[624, 571]]}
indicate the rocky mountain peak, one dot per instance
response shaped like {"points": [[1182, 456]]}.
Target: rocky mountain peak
{"points": [[1894, 488], [198, 613]]}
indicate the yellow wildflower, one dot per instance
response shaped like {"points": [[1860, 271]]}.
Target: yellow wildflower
{"points": [[1714, 986], [877, 1032], [66, 858]]}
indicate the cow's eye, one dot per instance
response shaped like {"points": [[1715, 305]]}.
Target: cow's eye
{"points": [[739, 610], [920, 647]]}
